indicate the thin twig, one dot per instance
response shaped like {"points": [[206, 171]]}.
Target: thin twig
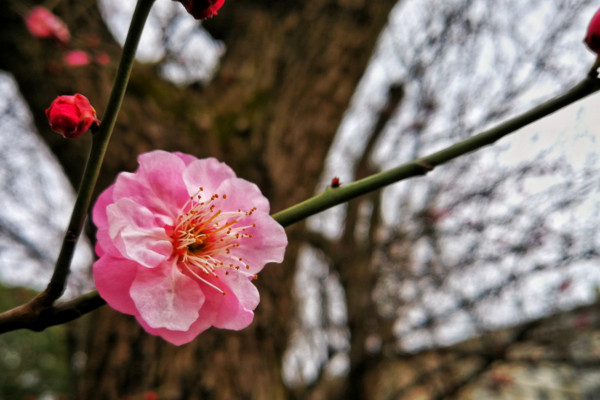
{"points": [[423, 165]]}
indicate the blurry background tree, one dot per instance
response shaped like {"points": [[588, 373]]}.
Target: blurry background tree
{"points": [[384, 287]]}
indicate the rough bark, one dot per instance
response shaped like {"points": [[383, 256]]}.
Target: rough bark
{"points": [[272, 111]]}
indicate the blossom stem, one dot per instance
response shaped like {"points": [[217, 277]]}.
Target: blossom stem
{"points": [[422, 166], [99, 144]]}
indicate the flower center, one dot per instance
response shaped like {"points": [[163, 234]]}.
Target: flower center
{"points": [[204, 235]]}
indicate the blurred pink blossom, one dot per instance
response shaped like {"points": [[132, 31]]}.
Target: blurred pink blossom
{"points": [[43, 24], [102, 58], [76, 58], [180, 241]]}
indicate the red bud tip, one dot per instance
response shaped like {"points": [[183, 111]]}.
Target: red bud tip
{"points": [[202, 9], [592, 38]]}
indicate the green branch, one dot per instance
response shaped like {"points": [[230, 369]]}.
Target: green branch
{"points": [[99, 144], [422, 166]]}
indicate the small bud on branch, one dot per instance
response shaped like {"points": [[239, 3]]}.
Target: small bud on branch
{"points": [[71, 116], [202, 9]]}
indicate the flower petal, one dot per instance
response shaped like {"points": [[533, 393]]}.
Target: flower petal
{"points": [[267, 244], [103, 240], [246, 293], [186, 158], [113, 276], [178, 337], [163, 172], [208, 174], [234, 310], [131, 186], [166, 298], [132, 229], [157, 184], [243, 195], [99, 213]]}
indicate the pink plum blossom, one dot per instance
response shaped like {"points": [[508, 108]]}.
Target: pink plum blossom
{"points": [[76, 58], [180, 241], [43, 24]]}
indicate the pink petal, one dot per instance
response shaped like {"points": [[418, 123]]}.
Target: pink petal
{"points": [[134, 233], [186, 158], [165, 298], [207, 173], [163, 172], [178, 337], [157, 184], [242, 195], [267, 244], [101, 220], [113, 278], [105, 245], [99, 213], [234, 310], [98, 249], [132, 186], [246, 293]]}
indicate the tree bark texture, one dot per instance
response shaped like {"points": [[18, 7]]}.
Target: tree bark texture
{"points": [[271, 113]]}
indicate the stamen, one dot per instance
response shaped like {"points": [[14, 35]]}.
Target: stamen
{"points": [[204, 235], [205, 281]]}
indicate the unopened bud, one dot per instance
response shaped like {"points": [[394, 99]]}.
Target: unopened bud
{"points": [[202, 9], [71, 116], [592, 39]]}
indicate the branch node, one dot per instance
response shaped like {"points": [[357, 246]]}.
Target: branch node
{"points": [[425, 166], [70, 236]]}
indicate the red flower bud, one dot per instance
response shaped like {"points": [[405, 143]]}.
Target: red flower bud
{"points": [[202, 9], [43, 24], [71, 116], [592, 39]]}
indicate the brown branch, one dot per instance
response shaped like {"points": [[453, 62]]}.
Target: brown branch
{"points": [[39, 314]]}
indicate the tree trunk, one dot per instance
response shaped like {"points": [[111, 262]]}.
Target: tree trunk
{"points": [[271, 113]]}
